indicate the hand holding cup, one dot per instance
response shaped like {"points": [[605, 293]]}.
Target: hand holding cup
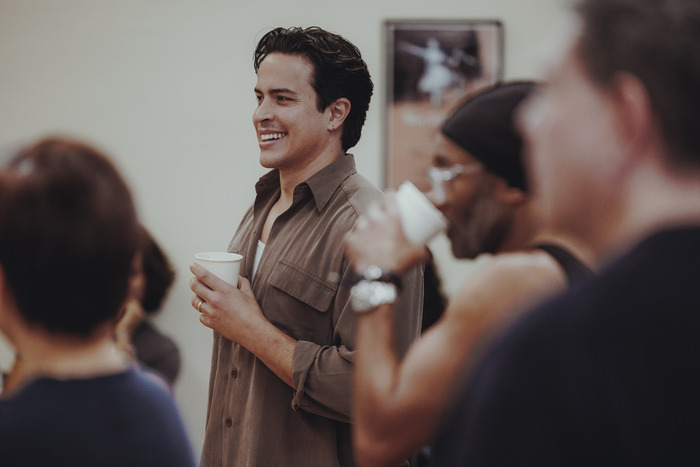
{"points": [[380, 239], [224, 265]]}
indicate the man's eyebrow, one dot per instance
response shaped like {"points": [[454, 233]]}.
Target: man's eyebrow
{"points": [[277, 91]]}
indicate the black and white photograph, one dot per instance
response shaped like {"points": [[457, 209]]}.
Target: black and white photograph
{"points": [[432, 65]]}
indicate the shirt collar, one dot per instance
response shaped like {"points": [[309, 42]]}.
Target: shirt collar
{"points": [[322, 184]]}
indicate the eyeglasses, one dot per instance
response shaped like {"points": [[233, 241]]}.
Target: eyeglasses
{"points": [[440, 176]]}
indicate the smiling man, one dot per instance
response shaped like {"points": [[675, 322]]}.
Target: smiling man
{"points": [[284, 340]]}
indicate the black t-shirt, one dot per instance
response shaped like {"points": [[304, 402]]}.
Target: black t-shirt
{"points": [[607, 374]]}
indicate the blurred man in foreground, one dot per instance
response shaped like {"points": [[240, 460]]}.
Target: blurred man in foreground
{"points": [[607, 375]]}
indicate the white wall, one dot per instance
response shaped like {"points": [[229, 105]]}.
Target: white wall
{"points": [[165, 87]]}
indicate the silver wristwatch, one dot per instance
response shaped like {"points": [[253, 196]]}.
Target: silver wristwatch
{"points": [[368, 294]]}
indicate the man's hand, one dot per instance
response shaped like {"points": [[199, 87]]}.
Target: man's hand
{"points": [[234, 313], [378, 239]]}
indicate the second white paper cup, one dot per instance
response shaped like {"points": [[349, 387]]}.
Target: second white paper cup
{"points": [[225, 265], [420, 220]]}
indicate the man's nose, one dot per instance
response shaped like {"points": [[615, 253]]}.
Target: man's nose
{"points": [[263, 111]]}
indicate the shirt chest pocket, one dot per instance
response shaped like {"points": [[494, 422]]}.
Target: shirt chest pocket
{"points": [[298, 302]]}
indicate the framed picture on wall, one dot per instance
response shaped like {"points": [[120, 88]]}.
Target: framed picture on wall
{"points": [[431, 66]]}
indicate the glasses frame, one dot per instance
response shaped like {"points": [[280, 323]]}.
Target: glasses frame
{"points": [[441, 176], [446, 174]]}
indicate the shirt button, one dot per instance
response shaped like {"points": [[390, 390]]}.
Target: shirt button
{"points": [[229, 422], [234, 373]]}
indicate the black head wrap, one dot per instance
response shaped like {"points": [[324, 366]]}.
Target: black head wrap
{"points": [[484, 126]]}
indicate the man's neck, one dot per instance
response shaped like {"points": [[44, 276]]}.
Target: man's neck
{"points": [[524, 229], [64, 356], [651, 199], [290, 177]]}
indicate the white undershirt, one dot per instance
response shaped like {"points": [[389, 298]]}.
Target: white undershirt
{"points": [[258, 254]]}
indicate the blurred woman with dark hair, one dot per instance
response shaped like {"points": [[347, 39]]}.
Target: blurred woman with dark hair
{"points": [[135, 332], [68, 237]]}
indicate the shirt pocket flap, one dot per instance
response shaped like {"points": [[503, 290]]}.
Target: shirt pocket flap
{"points": [[303, 285]]}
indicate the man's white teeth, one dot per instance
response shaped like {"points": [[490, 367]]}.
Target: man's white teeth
{"points": [[271, 136]]}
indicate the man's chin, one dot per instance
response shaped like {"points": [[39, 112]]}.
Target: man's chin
{"points": [[269, 161], [458, 248], [461, 248], [461, 253]]}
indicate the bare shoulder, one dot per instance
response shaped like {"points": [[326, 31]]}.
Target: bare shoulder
{"points": [[509, 282], [531, 265]]}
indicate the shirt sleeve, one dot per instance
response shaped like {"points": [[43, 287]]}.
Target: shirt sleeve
{"points": [[323, 373]]}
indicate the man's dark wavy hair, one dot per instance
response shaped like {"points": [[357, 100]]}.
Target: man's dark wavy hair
{"points": [[339, 71]]}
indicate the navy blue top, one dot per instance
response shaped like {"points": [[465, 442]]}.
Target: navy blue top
{"points": [[125, 419]]}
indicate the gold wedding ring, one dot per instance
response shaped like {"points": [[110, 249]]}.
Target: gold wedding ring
{"points": [[199, 306]]}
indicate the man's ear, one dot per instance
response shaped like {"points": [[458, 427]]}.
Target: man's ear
{"points": [[509, 195], [633, 113], [339, 111]]}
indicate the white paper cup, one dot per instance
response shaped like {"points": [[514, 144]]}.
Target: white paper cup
{"points": [[224, 265], [421, 221]]}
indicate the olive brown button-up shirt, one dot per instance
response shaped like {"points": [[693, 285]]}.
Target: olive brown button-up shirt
{"points": [[301, 284]]}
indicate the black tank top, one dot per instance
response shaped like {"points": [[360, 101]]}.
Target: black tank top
{"points": [[574, 269]]}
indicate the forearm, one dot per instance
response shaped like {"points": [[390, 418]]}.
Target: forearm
{"points": [[376, 366], [399, 403], [273, 347], [379, 413]]}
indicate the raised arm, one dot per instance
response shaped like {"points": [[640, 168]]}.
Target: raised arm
{"points": [[399, 403]]}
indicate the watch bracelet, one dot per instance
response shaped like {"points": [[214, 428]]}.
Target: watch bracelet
{"points": [[386, 276]]}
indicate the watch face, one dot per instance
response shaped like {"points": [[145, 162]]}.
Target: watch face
{"points": [[372, 272], [368, 294]]}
